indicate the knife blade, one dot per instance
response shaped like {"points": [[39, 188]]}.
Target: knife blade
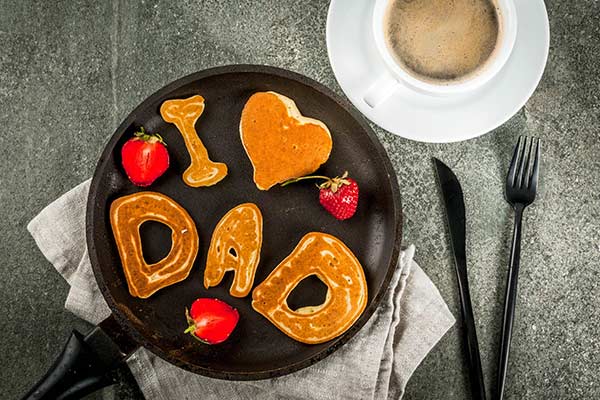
{"points": [[455, 212]]}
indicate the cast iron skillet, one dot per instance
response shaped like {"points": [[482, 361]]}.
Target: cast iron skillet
{"points": [[256, 349]]}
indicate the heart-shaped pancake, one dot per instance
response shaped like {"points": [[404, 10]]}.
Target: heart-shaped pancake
{"points": [[281, 143]]}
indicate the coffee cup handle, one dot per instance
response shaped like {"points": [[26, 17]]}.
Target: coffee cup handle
{"points": [[381, 90]]}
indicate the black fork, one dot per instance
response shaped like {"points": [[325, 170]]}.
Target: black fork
{"points": [[521, 186]]}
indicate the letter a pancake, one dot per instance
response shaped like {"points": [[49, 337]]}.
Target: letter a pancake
{"points": [[184, 113], [235, 246], [127, 214], [330, 260], [281, 143]]}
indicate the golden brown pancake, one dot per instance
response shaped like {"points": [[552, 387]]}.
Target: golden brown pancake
{"points": [[280, 142], [235, 246], [127, 214], [184, 113], [330, 260]]}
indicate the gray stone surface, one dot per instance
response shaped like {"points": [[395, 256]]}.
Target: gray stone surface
{"points": [[70, 71]]}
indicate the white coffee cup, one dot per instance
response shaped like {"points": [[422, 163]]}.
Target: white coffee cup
{"points": [[395, 75]]}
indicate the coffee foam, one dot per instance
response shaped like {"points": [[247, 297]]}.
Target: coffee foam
{"points": [[442, 41]]}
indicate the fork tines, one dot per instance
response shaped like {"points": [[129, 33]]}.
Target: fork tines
{"points": [[524, 167]]}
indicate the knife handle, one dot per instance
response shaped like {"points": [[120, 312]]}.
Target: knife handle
{"points": [[472, 345], [510, 301]]}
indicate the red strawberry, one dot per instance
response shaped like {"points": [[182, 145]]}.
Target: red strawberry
{"points": [[144, 158], [211, 320], [337, 195]]}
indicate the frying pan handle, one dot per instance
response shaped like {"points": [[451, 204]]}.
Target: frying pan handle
{"points": [[84, 363]]}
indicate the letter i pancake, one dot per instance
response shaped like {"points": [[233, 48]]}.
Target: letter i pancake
{"points": [[184, 113]]}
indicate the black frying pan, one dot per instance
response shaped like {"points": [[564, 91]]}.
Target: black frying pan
{"points": [[256, 349]]}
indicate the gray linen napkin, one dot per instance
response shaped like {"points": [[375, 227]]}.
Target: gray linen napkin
{"points": [[375, 364]]}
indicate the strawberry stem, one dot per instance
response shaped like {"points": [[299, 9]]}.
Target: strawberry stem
{"points": [[289, 181], [151, 137], [190, 329], [191, 323], [333, 183]]}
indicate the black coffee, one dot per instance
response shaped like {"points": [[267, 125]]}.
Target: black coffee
{"points": [[442, 40]]}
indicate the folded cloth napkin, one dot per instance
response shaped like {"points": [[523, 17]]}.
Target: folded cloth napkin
{"points": [[375, 364]]}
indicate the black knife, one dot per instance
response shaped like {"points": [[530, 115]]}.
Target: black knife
{"points": [[455, 211]]}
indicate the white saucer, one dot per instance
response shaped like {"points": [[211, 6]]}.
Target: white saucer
{"points": [[412, 115]]}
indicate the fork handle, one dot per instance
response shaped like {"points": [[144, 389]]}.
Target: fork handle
{"points": [[510, 299]]}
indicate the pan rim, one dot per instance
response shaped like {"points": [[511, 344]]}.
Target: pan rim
{"points": [[123, 320]]}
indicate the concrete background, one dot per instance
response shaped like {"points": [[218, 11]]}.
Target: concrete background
{"points": [[70, 71]]}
